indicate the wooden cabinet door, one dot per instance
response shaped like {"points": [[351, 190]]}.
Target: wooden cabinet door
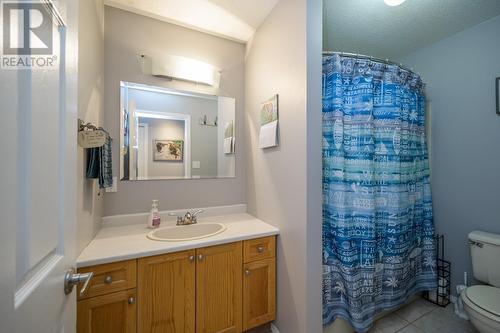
{"points": [[219, 289], [111, 313], [166, 288], [259, 293]]}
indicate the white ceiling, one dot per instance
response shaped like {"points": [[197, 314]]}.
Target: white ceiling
{"points": [[233, 19], [370, 27]]}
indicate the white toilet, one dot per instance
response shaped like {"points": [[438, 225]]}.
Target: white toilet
{"points": [[482, 302]]}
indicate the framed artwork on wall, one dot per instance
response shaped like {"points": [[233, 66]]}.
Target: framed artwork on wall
{"points": [[497, 87], [168, 150], [269, 117]]}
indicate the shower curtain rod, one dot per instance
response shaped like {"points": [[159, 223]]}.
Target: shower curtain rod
{"points": [[357, 55]]}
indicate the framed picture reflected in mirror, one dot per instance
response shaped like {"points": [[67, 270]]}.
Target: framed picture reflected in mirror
{"points": [[497, 89], [168, 150]]}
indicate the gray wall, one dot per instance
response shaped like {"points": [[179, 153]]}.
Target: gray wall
{"points": [[90, 109], [281, 180], [126, 36], [460, 73]]}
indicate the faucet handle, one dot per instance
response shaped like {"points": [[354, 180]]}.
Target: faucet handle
{"points": [[198, 212], [193, 215], [188, 218], [180, 219]]}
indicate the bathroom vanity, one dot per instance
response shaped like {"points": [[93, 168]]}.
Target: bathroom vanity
{"points": [[222, 283]]}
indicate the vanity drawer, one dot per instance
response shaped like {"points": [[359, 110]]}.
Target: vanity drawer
{"points": [[109, 278], [259, 248]]}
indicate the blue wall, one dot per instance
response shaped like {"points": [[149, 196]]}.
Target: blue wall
{"points": [[460, 73]]}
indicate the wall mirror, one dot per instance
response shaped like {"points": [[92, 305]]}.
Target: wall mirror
{"points": [[172, 134]]}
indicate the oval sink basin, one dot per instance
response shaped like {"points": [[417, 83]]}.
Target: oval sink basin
{"points": [[186, 232]]}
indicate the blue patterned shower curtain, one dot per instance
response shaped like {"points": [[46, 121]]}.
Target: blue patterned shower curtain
{"points": [[378, 245]]}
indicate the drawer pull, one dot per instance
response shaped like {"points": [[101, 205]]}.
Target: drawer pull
{"points": [[131, 300], [191, 258], [108, 279], [247, 272], [200, 257], [260, 248]]}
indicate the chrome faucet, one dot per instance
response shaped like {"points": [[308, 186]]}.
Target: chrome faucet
{"points": [[188, 218]]}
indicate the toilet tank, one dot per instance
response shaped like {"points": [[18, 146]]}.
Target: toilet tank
{"points": [[485, 254]]}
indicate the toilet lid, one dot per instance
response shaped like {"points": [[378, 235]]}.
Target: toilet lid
{"points": [[485, 297]]}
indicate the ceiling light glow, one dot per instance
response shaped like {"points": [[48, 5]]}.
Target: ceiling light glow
{"points": [[393, 3]]}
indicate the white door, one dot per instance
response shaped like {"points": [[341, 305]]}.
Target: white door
{"points": [[143, 152], [133, 140], [38, 170]]}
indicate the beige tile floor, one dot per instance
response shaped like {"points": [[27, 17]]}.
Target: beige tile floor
{"points": [[421, 316]]}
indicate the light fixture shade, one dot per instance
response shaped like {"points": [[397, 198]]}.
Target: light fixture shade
{"points": [[393, 3], [185, 69]]}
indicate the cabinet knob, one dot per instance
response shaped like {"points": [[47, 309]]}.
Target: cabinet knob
{"points": [[191, 258], [108, 279], [260, 248], [131, 300], [247, 272], [200, 257]]}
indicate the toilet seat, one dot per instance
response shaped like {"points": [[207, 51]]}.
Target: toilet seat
{"points": [[485, 300]]}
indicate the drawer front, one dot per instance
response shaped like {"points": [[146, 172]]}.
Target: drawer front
{"points": [[110, 278], [259, 248], [116, 312]]}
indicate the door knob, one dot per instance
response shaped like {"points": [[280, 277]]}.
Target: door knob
{"points": [[72, 278]]}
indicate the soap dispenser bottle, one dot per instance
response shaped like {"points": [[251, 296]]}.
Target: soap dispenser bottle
{"points": [[154, 216]]}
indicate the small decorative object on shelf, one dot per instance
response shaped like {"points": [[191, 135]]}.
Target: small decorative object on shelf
{"points": [[441, 296]]}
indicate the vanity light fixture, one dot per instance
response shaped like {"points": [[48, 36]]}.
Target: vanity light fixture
{"points": [[185, 69], [394, 3]]}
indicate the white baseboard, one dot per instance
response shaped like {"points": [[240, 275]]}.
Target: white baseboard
{"points": [[274, 329]]}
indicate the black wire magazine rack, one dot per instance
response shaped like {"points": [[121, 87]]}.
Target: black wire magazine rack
{"points": [[441, 295]]}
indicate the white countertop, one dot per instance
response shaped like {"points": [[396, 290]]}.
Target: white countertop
{"points": [[118, 243]]}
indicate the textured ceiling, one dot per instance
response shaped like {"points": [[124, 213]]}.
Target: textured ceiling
{"points": [[233, 19], [370, 27]]}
